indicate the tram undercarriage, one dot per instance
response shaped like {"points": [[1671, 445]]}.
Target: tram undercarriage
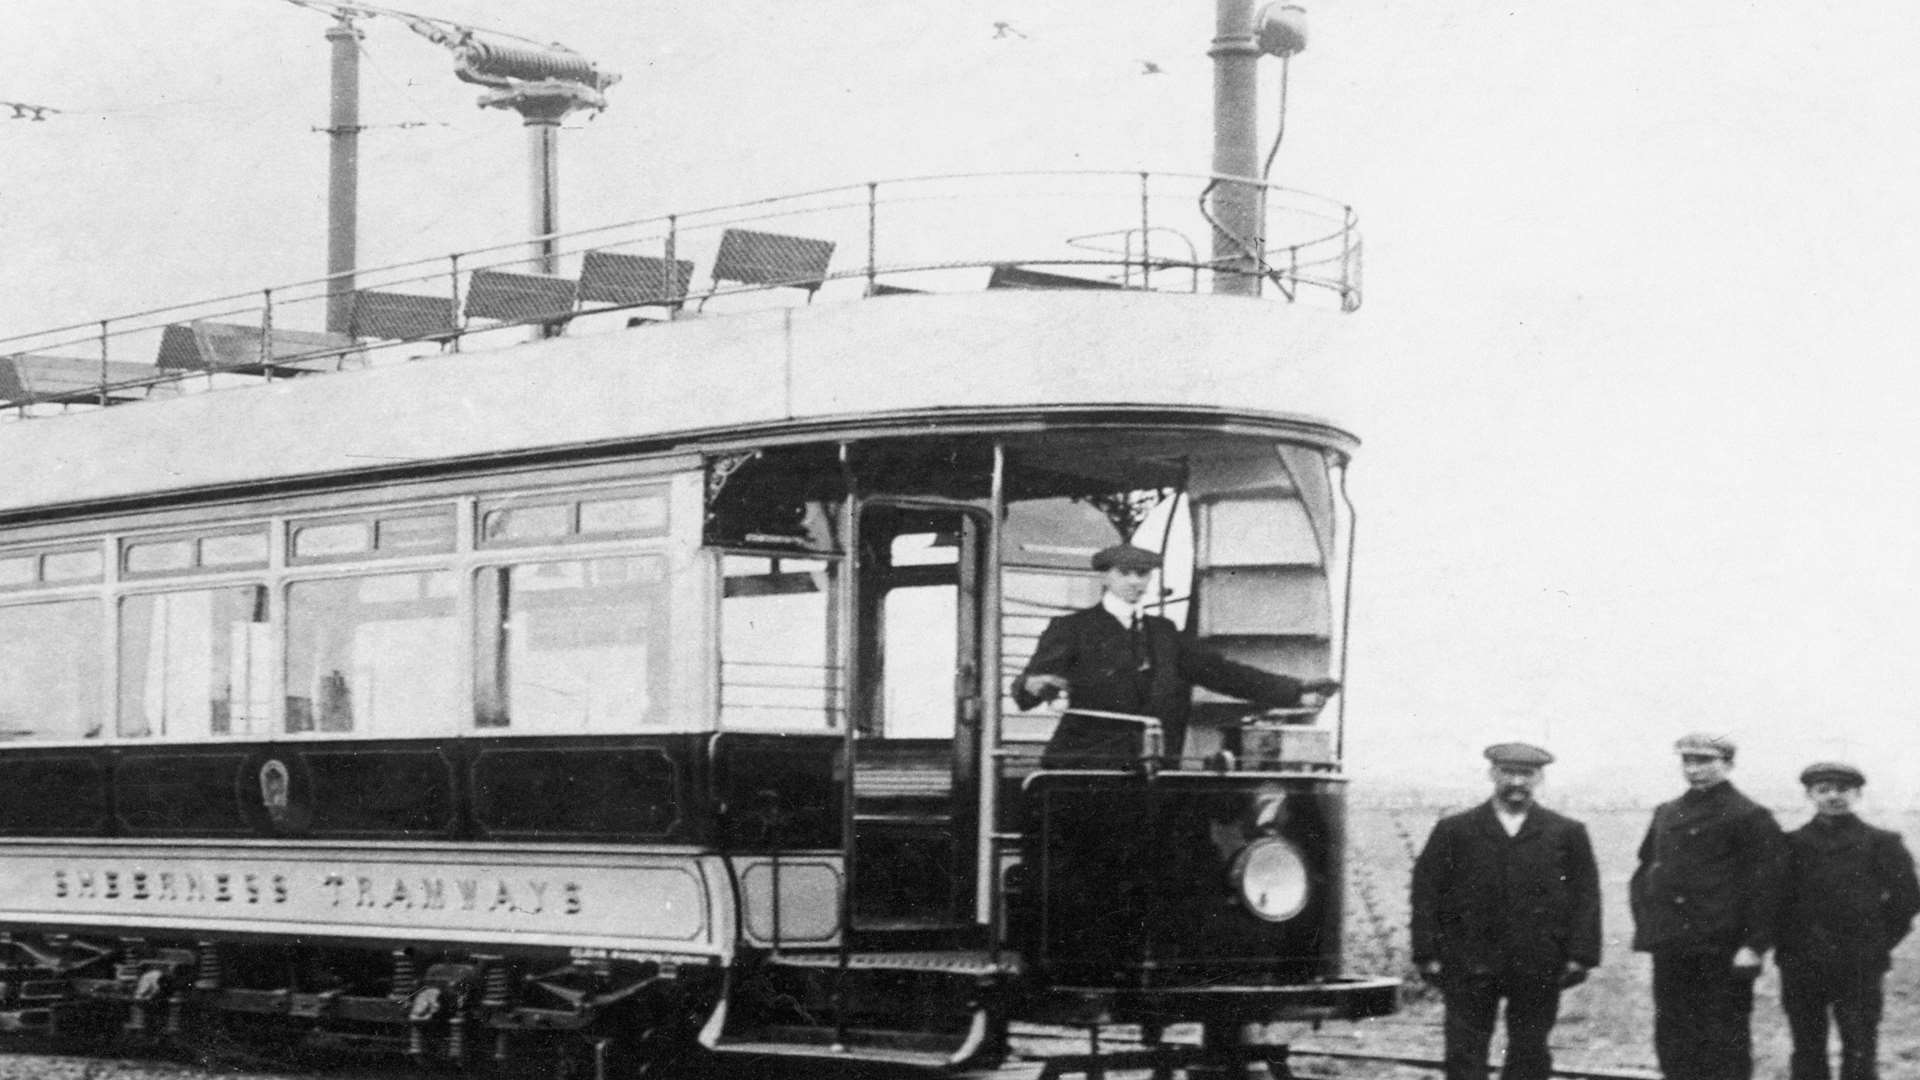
{"points": [[446, 1007]]}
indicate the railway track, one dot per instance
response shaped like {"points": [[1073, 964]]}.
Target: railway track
{"points": [[1039, 1054]]}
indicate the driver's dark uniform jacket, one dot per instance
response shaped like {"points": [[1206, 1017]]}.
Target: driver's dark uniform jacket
{"points": [[1112, 668]]}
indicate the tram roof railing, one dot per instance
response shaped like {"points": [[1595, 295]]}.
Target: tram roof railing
{"points": [[953, 233]]}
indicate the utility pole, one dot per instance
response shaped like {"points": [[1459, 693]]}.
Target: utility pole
{"points": [[343, 171]]}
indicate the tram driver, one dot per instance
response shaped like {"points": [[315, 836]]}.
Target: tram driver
{"points": [[1115, 657]]}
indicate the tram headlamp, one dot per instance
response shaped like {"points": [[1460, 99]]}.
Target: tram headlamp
{"points": [[1272, 879]]}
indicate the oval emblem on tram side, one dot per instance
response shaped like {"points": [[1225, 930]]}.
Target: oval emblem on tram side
{"points": [[273, 790], [276, 793]]}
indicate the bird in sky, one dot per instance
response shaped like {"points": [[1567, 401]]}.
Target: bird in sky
{"points": [[1006, 29], [1148, 67]]}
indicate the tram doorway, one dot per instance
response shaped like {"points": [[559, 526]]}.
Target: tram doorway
{"points": [[917, 714]]}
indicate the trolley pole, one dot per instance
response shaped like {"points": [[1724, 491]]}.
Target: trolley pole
{"points": [[542, 116], [543, 85], [1237, 204], [343, 173], [1236, 149]]}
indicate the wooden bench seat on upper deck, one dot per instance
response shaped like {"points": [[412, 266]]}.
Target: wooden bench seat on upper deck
{"points": [[205, 345], [29, 379]]}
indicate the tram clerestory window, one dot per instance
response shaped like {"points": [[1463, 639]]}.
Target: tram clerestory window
{"points": [[53, 661], [377, 654], [778, 665], [572, 646], [195, 663]]}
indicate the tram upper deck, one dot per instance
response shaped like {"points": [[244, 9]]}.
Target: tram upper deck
{"points": [[883, 305]]}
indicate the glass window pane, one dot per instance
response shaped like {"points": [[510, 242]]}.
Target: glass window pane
{"points": [[778, 659], [423, 532], [52, 658], [73, 566], [239, 549], [528, 523], [573, 646], [629, 514], [920, 641], [343, 538], [195, 663], [378, 654], [159, 555], [20, 570], [925, 549]]}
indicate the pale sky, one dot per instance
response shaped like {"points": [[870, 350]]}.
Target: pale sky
{"points": [[1635, 373]]}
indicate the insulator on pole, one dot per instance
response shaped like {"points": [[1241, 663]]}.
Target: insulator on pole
{"points": [[492, 64]]}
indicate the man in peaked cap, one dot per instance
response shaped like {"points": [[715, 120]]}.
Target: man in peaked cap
{"points": [[1506, 904], [1706, 899], [1115, 657], [1850, 898]]}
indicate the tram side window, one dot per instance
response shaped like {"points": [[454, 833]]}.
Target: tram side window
{"points": [[51, 667], [195, 663], [777, 643], [572, 646], [376, 654]]}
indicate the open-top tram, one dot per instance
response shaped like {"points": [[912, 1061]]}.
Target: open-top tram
{"points": [[642, 687], [669, 699]]}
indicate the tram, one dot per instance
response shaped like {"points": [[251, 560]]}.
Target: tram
{"points": [[613, 663]]}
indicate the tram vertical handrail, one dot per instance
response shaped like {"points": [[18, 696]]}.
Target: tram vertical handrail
{"points": [[1146, 231], [1346, 631], [673, 275], [1349, 290], [987, 821], [849, 663], [459, 320], [266, 334], [873, 230], [106, 368]]}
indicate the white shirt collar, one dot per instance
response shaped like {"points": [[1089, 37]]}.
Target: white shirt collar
{"points": [[1119, 608], [1510, 820]]}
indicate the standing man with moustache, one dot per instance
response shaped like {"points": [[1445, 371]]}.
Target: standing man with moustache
{"points": [[1506, 905], [1706, 898]]}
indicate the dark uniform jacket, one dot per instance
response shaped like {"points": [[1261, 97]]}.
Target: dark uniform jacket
{"points": [[1850, 896], [1109, 671], [1485, 902], [1711, 871]]}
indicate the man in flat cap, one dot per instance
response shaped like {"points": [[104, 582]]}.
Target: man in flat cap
{"points": [[1506, 905], [1706, 899], [1850, 898], [1115, 657]]}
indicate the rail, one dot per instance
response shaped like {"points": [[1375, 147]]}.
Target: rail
{"points": [[953, 233], [1040, 1052]]}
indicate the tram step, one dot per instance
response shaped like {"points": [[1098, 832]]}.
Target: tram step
{"points": [[973, 963], [918, 1051]]}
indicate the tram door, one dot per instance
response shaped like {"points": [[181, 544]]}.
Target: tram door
{"points": [[916, 716]]}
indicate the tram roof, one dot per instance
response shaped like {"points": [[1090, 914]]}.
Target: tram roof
{"points": [[925, 361]]}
